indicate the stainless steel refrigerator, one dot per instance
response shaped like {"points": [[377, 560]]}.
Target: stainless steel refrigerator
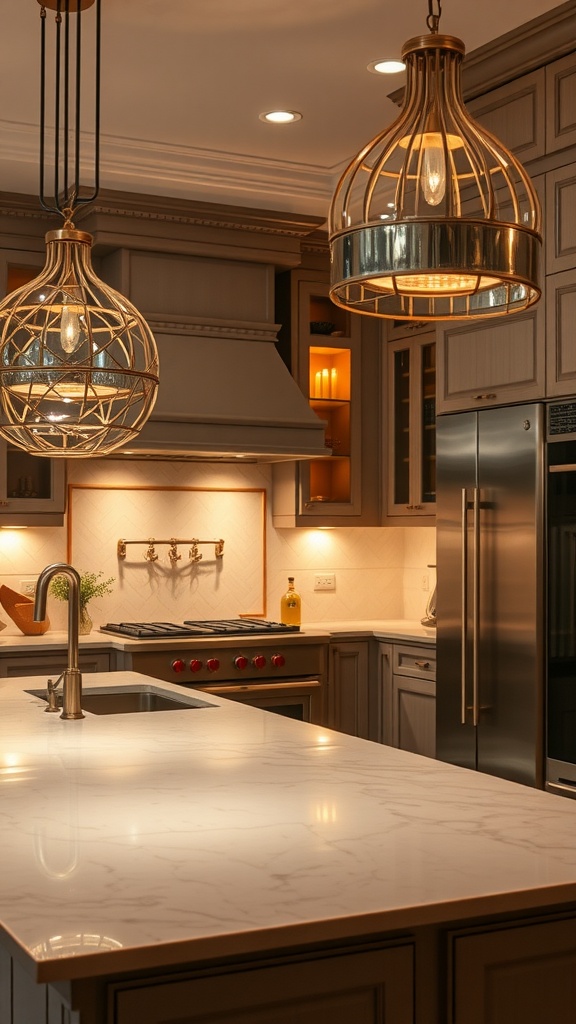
{"points": [[490, 599]]}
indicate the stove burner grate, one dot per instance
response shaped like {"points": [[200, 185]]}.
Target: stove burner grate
{"points": [[200, 628]]}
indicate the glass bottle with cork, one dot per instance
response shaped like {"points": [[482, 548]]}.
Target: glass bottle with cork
{"points": [[291, 606]]}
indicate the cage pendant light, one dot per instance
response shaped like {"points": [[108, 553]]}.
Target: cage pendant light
{"points": [[78, 362], [435, 219]]}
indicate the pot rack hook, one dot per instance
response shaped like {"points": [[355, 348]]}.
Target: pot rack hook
{"points": [[150, 554]]}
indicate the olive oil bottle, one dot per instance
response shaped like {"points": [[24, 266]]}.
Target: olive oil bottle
{"points": [[291, 606]]}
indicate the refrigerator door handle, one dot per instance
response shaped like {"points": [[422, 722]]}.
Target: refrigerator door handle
{"points": [[476, 609], [464, 605]]}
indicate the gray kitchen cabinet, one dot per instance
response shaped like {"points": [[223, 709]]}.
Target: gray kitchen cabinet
{"points": [[349, 695], [561, 103], [334, 357], [560, 320], [561, 219], [515, 113], [52, 663], [383, 678], [365, 987], [497, 361], [411, 430], [523, 973], [413, 712], [32, 489]]}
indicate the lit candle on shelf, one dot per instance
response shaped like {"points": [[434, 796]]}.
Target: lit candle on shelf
{"points": [[333, 382], [325, 383], [318, 384]]}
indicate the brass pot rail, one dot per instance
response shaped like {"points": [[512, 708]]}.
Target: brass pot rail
{"points": [[193, 553]]}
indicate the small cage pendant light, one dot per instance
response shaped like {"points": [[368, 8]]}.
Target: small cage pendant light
{"points": [[435, 219], [78, 362]]}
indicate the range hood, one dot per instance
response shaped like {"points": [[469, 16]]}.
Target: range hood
{"points": [[225, 394]]}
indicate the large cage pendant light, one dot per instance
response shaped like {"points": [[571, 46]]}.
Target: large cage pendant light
{"points": [[435, 219], [78, 362]]}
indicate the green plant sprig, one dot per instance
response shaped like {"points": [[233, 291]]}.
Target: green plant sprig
{"points": [[90, 586]]}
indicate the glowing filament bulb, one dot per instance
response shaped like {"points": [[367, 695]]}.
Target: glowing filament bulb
{"points": [[70, 328], [433, 170]]}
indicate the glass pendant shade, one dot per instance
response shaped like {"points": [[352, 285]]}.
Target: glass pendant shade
{"points": [[78, 363], [435, 219]]}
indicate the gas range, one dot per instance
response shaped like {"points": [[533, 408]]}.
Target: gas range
{"points": [[202, 628]]}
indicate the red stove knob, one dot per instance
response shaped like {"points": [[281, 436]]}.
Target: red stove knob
{"points": [[240, 662], [259, 661], [178, 665], [212, 664], [195, 665], [278, 660]]}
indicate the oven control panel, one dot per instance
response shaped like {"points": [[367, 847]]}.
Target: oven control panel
{"points": [[197, 666]]}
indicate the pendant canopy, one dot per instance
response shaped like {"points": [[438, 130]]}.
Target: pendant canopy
{"points": [[435, 219]]}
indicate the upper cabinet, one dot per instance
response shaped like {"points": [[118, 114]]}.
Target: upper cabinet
{"points": [[32, 488], [334, 356], [516, 114], [411, 428], [561, 103]]}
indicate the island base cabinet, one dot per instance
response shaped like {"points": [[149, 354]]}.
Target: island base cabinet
{"points": [[525, 974], [365, 988]]}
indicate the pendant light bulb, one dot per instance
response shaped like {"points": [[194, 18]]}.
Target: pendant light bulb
{"points": [[433, 174], [70, 330]]}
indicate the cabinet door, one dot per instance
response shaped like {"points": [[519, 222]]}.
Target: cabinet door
{"points": [[411, 478], [523, 974], [51, 664], [364, 988], [560, 347], [493, 362], [32, 489], [335, 358], [561, 103], [515, 113], [414, 699], [384, 685], [561, 219], [348, 689]]}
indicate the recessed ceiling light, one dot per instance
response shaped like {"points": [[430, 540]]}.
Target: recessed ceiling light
{"points": [[280, 116], [387, 66]]}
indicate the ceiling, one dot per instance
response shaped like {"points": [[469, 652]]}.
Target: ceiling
{"points": [[185, 80]]}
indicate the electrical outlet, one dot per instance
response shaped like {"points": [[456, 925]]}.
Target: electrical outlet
{"points": [[28, 588], [325, 581], [425, 581]]}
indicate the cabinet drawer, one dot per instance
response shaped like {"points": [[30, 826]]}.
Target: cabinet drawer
{"points": [[419, 662]]}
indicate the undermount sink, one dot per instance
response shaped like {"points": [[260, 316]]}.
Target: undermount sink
{"points": [[130, 701]]}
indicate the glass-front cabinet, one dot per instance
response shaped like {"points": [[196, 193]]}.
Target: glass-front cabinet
{"points": [[335, 362], [32, 488], [411, 489]]}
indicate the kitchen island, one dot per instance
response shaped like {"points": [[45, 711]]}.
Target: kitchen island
{"points": [[225, 863]]}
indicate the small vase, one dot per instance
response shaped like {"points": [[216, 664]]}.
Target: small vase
{"points": [[85, 624]]}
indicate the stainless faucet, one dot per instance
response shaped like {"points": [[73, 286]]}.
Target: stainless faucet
{"points": [[71, 676]]}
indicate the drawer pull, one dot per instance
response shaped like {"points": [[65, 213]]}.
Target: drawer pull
{"points": [[422, 664]]}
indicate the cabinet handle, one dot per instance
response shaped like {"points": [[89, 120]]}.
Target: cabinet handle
{"points": [[422, 664], [463, 604], [476, 610], [489, 394]]}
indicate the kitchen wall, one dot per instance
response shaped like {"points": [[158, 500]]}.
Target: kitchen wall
{"points": [[378, 570]]}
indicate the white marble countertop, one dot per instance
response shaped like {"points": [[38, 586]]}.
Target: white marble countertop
{"points": [[138, 841], [12, 641]]}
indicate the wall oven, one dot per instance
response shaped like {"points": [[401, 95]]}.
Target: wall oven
{"points": [[279, 670], [561, 603]]}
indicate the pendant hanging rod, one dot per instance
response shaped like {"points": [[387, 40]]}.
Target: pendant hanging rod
{"points": [[433, 20], [65, 196]]}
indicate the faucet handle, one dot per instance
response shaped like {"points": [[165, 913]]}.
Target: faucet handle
{"points": [[51, 695]]}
